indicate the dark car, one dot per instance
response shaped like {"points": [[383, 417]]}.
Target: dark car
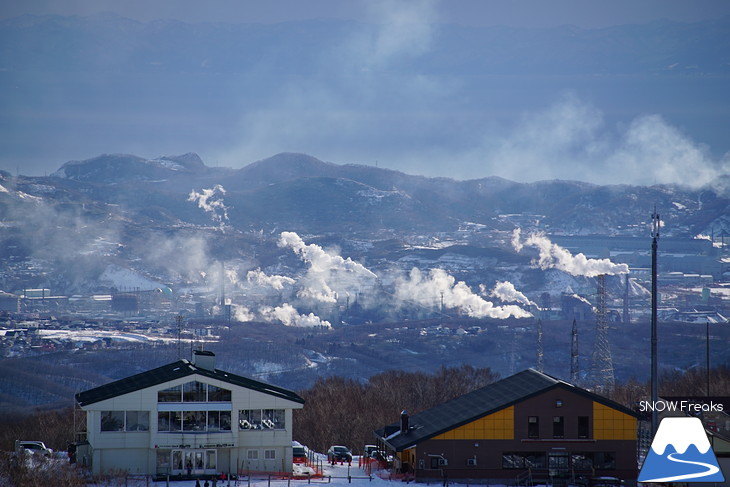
{"points": [[339, 453]]}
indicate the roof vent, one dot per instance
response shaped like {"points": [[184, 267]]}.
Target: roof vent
{"points": [[204, 359]]}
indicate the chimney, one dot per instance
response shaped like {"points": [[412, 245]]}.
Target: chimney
{"points": [[404, 422], [204, 359]]}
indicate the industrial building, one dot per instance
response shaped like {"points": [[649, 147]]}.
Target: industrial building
{"points": [[527, 427], [188, 419]]}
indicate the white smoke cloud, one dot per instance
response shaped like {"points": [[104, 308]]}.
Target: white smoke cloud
{"points": [[242, 313], [405, 28], [570, 140], [258, 278], [553, 256], [506, 291], [289, 316], [329, 274], [211, 201], [427, 291]]}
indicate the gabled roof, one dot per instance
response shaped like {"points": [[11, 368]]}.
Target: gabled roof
{"points": [[479, 403], [177, 370]]}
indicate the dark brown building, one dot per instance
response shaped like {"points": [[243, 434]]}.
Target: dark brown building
{"points": [[529, 426]]}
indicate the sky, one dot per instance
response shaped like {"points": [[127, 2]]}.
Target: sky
{"points": [[606, 132], [520, 13]]}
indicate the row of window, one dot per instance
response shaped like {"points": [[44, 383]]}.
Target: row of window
{"points": [[578, 460], [125, 420], [254, 455], [173, 421], [196, 421], [533, 427], [194, 392]]}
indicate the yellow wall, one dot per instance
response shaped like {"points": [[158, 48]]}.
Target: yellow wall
{"points": [[610, 424], [497, 426]]}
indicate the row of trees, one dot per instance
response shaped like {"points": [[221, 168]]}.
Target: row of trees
{"points": [[342, 411]]}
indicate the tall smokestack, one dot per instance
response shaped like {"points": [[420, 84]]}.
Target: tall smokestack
{"points": [[627, 318], [223, 287]]}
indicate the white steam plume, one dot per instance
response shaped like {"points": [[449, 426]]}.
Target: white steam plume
{"points": [[289, 316], [506, 291], [211, 201], [328, 274], [427, 291], [553, 256], [259, 278], [242, 313]]}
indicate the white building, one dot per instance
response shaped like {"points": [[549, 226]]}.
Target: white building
{"points": [[189, 419]]}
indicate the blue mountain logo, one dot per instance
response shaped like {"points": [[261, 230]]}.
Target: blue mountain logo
{"points": [[680, 452]]}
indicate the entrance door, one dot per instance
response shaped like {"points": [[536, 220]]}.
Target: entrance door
{"points": [[194, 462], [558, 463]]}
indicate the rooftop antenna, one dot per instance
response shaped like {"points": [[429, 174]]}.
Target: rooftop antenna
{"points": [[655, 227]]}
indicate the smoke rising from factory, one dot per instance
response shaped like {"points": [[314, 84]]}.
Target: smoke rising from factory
{"points": [[553, 256], [428, 290], [211, 201]]}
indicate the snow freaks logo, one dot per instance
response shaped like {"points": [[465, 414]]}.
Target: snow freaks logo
{"points": [[680, 452]]}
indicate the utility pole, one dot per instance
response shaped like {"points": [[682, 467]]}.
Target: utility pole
{"points": [[574, 371], [540, 349], [655, 227]]}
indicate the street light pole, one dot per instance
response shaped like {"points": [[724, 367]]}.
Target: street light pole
{"points": [[655, 224]]}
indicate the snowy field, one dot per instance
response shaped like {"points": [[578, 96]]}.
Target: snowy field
{"points": [[334, 476]]}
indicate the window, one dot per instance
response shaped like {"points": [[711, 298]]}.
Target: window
{"points": [[194, 421], [270, 454], [582, 460], [271, 419], [218, 394], [583, 425], [169, 421], [194, 392], [533, 427], [173, 394], [112, 420], [512, 460], [125, 421], [138, 421], [604, 460], [472, 462], [558, 427], [219, 421], [253, 454]]}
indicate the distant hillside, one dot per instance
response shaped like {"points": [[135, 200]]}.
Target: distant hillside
{"points": [[298, 191]]}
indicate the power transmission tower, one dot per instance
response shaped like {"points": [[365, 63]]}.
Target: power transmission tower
{"points": [[574, 370], [602, 367], [540, 350]]}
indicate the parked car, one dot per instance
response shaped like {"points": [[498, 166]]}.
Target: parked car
{"points": [[339, 453], [34, 447], [369, 449]]}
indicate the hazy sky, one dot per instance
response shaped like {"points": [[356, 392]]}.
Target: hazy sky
{"points": [[522, 13], [604, 130]]}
